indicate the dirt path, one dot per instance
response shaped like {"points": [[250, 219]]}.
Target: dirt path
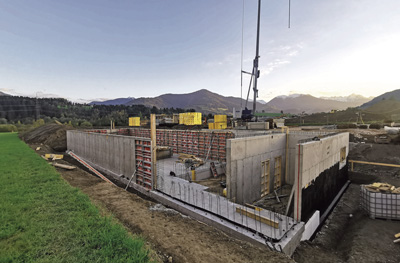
{"points": [[169, 233]]}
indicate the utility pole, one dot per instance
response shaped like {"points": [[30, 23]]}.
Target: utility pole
{"points": [[256, 72]]}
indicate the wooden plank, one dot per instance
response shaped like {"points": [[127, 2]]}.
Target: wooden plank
{"points": [[256, 217], [396, 241], [64, 166], [254, 207], [372, 163], [397, 235]]}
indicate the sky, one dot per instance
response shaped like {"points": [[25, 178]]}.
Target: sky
{"points": [[91, 49]]}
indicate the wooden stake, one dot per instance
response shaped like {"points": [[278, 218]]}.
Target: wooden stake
{"points": [[153, 136]]}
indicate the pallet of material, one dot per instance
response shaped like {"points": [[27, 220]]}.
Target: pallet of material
{"points": [[190, 158], [383, 188]]}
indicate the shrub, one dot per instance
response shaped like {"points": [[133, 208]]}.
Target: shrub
{"points": [[342, 126], [86, 124], [352, 126], [8, 128], [375, 126], [363, 126]]}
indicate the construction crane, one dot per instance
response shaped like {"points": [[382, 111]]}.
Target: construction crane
{"points": [[255, 74]]}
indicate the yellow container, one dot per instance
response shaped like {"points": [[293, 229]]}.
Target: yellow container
{"points": [[134, 121], [211, 126], [219, 118], [220, 125], [181, 118], [190, 118]]}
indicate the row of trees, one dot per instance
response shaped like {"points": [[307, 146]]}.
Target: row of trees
{"points": [[26, 110]]}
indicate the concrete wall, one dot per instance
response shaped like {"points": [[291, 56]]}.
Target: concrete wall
{"points": [[316, 159], [243, 166], [114, 153], [294, 138], [319, 156]]}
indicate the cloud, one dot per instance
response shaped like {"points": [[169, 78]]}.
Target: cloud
{"points": [[227, 60], [280, 56], [277, 63]]}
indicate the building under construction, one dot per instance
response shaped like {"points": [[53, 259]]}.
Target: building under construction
{"points": [[270, 187]]}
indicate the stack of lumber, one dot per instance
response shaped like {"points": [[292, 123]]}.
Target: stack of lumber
{"points": [[383, 188], [190, 159]]}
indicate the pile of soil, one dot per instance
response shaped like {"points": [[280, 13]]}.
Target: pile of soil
{"points": [[52, 135]]}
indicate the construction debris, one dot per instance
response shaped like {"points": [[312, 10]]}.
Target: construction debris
{"points": [[64, 166], [190, 160], [38, 148], [383, 188], [53, 157]]}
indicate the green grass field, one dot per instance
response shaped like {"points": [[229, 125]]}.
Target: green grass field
{"points": [[44, 219]]}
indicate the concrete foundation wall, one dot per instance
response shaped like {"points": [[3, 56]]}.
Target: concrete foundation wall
{"points": [[257, 125], [319, 173], [243, 167], [294, 138], [112, 152], [319, 156]]}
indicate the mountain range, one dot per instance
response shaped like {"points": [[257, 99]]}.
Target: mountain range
{"points": [[299, 103], [209, 102], [391, 95]]}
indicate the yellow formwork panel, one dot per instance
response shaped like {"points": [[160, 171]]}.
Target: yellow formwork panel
{"points": [[134, 121], [181, 118], [220, 125], [220, 118], [211, 126], [190, 118]]}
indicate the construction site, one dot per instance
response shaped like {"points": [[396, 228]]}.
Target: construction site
{"points": [[308, 194], [227, 178]]}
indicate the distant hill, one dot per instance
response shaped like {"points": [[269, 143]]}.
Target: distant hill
{"points": [[391, 95], [202, 100], [357, 99], [298, 103], [209, 102], [4, 94], [119, 101], [388, 108]]}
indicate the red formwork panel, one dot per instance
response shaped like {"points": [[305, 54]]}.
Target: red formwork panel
{"points": [[143, 163], [199, 143]]}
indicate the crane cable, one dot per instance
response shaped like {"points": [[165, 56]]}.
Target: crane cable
{"points": [[241, 62]]}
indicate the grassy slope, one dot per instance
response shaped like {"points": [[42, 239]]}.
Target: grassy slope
{"points": [[43, 219]]}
